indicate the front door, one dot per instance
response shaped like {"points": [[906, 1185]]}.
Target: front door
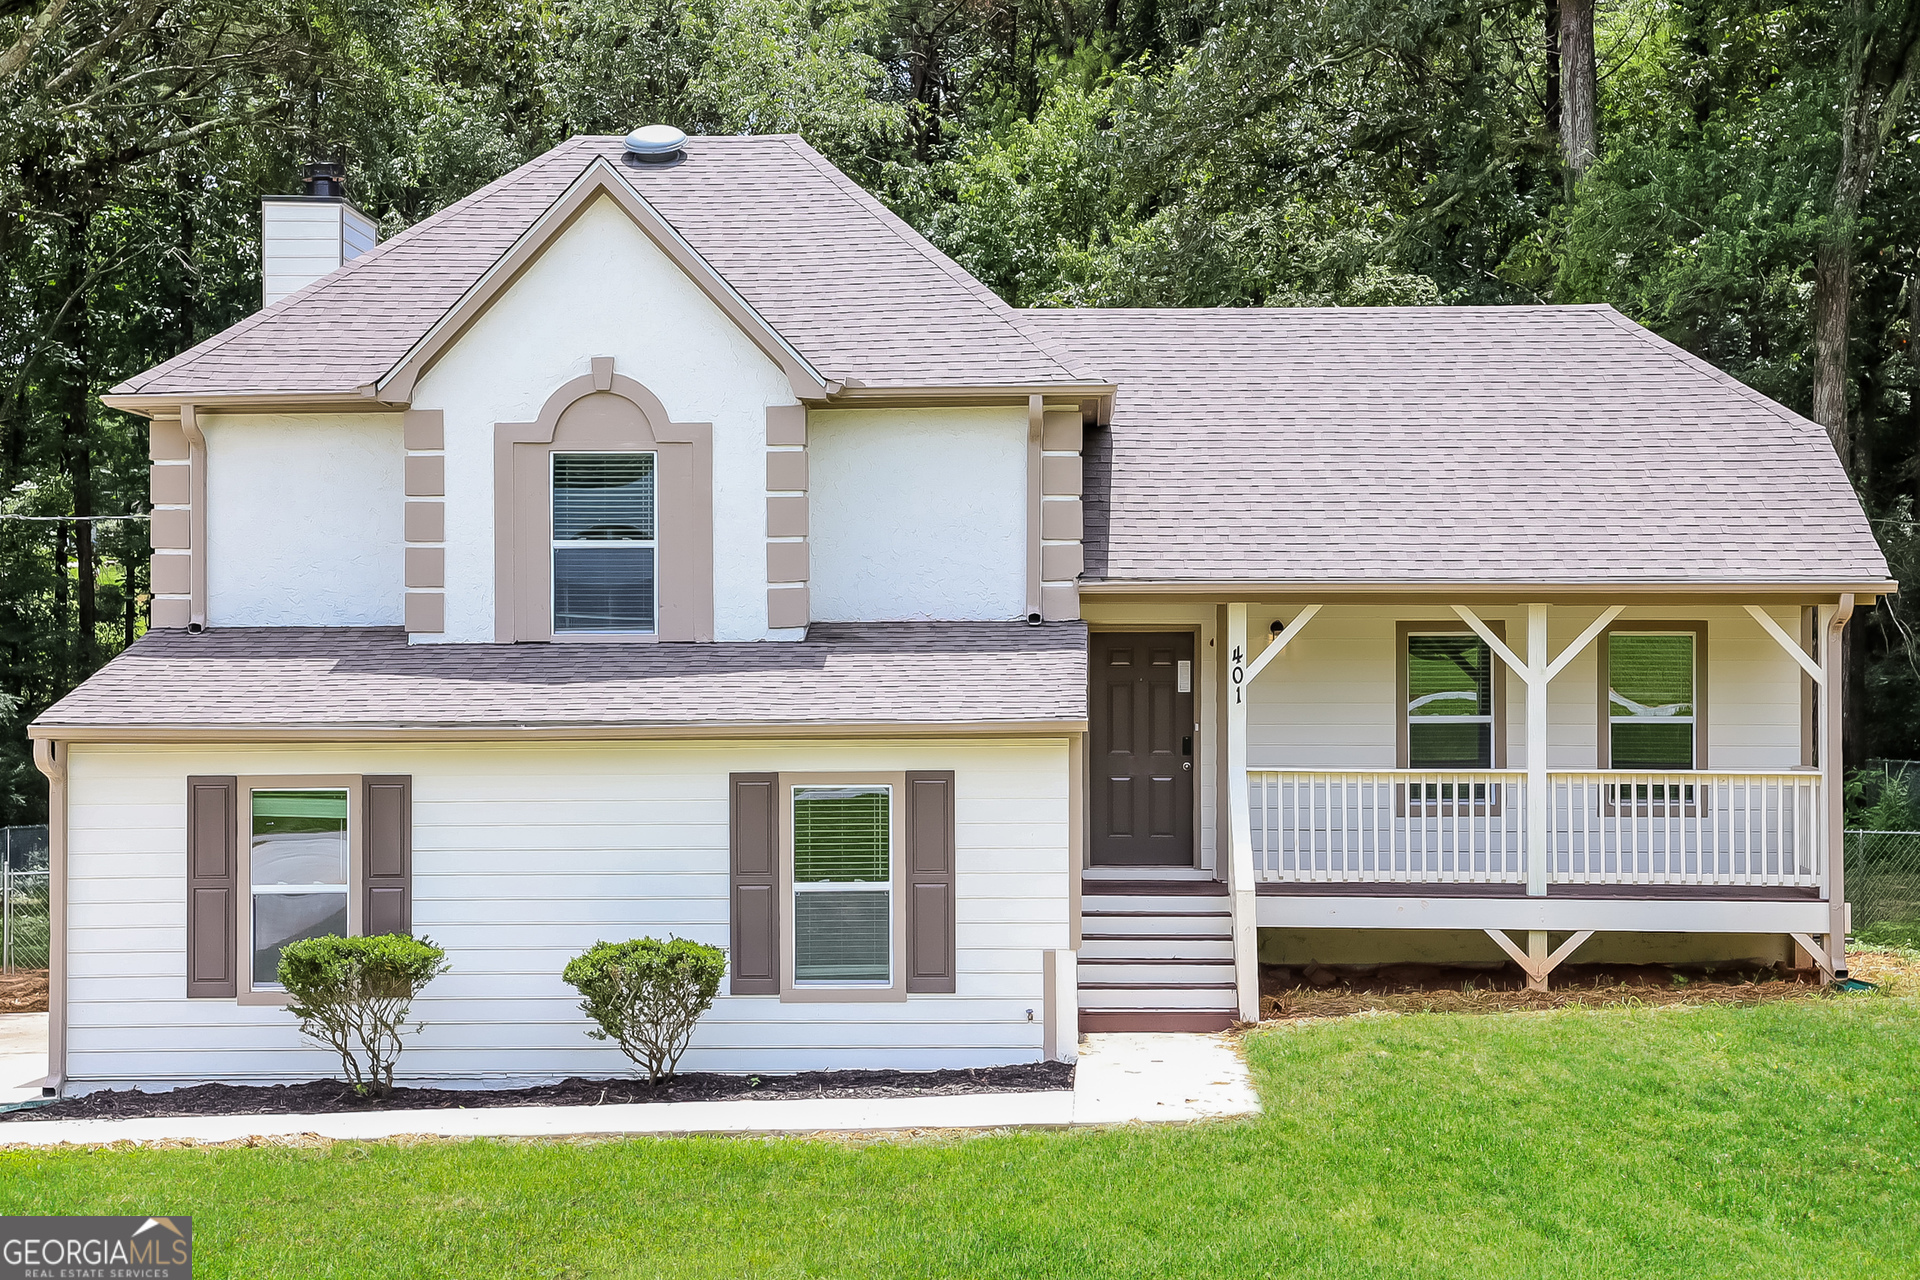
{"points": [[1141, 755]]}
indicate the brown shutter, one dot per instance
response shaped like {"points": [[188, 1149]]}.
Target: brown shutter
{"points": [[930, 876], [386, 816], [755, 963], [213, 866]]}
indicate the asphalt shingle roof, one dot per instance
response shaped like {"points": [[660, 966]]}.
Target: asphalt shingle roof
{"points": [[348, 678], [852, 288], [1445, 444]]}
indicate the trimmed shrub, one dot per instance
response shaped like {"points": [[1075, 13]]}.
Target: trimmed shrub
{"points": [[646, 995], [353, 995]]}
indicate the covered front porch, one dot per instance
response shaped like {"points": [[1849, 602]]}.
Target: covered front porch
{"points": [[1743, 849], [1540, 770]]}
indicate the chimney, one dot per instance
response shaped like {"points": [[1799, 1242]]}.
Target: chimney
{"points": [[304, 237]]}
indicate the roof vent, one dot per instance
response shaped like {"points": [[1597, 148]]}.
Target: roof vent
{"points": [[655, 143]]}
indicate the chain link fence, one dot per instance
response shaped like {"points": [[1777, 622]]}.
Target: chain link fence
{"points": [[1883, 884], [24, 899]]}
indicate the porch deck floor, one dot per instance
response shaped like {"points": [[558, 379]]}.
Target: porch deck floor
{"points": [[1470, 889], [1123, 1078]]}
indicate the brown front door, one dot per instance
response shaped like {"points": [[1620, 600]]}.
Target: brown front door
{"points": [[1142, 749]]}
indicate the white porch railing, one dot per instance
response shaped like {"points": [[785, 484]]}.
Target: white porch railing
{"points": [[1463, 827], [1439, 828], [1703, 828]]}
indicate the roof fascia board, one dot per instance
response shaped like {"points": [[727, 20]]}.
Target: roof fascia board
{"points": [[1065, 394], [597, 179], [511, 733], [1468, 592], [361, 401]]}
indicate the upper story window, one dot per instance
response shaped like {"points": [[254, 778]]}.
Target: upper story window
{"points": [[1651, 712], [1449, 702], [603, 528], [604, 543]]}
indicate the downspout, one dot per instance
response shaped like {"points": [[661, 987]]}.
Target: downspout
{"points": [[1833, 661], [50, 759], [196, 518]]}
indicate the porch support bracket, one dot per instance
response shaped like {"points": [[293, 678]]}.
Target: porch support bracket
{"points": [[1819, 952], [1534, 961], [1788, 643], [1537, 672]]}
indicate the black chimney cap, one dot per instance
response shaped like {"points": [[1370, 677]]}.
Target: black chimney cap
{"points": [[325, 178]]}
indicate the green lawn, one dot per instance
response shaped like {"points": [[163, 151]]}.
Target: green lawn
{"points": [[1778, 1141]]}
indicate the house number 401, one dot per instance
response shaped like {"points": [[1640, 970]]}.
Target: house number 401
{"points": [[1239, 675]]}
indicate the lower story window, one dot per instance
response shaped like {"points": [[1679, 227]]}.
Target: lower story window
{"points": [[843, 885], [297, 872], [1650, 700], [1449, 711]]}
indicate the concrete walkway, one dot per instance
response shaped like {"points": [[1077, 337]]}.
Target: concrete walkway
{"points": [[1122, 1079], [23, 1056]]}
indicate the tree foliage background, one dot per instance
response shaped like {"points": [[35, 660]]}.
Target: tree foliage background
{"points": [[1748, 185]]}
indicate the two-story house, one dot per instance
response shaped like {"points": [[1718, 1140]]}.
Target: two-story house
{"points": [[666, 539]]}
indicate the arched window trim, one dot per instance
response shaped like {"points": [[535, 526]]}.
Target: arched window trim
{"points": [[523, 498]]}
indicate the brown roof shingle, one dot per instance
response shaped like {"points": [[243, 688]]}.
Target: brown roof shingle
{"points": [[346, 679], [1445, 444], [856, 291]]}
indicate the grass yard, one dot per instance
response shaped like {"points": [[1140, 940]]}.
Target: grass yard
{"points": [[1774, 1140]]}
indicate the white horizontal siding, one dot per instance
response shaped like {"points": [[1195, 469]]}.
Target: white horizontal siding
{"points": [[523, 857], [1328, 701]]}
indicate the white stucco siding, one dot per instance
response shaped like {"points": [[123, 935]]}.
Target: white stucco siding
{"points": [[525, 856], [918, 514], [604, 289], [304, 520]]}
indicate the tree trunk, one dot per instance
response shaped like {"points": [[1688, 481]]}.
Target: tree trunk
{"points": [[78, 454], [1579, 92], [61, 667], [1832, 303], [1881, 56], [1552, 44]]}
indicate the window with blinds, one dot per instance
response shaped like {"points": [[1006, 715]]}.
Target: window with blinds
{"points": [[1449, 702], [843, 885], [1650, 700], [297, 872], [604, 542]]}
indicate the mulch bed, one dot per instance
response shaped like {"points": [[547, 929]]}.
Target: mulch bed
{"points": [[1291, 994], [24, 991], [329, 1096]]}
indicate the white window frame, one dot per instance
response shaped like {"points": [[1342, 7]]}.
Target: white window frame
{"points": [[793, 991], [555, 545], [247, 992]]}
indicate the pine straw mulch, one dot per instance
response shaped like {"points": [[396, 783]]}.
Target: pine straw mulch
{"points": [[1896, 973], [24, 991]]}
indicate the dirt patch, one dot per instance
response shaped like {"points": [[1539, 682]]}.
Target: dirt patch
{"points": [[331, 1096], [1340, 991], [23, 991]]}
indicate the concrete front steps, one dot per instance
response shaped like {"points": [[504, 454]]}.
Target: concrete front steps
{"points": [[1156, 952]]}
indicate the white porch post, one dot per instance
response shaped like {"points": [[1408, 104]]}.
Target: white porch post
{"points": [[1833, 687], [1246, 935], [1537, 795]]}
